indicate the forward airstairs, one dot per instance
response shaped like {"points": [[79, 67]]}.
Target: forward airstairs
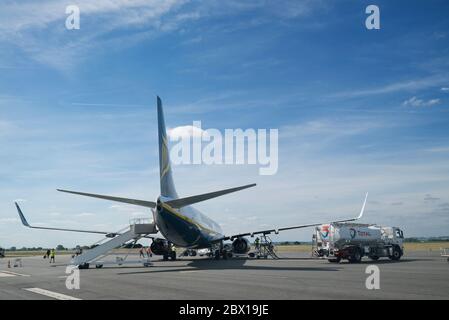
{"points": [[138, 228]]}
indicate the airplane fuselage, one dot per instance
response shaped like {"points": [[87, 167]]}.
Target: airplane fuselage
{"points": [[186, 227]]}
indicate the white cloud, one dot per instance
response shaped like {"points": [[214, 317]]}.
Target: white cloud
{"points": [[415, 102], [409, 85], [9, 220], [186, 132], [38, 28], [445, 89], [438, 149], [85, 214]]}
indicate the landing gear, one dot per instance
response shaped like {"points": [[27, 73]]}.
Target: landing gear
{"points": [[335, 260], [83, 266], [217, 255], [173, 255], [224, 254]]}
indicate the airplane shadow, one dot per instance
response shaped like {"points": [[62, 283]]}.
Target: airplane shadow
{"points": [[231, 264]]}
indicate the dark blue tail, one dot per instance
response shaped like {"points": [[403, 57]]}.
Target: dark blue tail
{"points": [[167, 184]]}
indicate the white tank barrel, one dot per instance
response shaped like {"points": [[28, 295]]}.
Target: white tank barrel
{"points": [[355, 233]]}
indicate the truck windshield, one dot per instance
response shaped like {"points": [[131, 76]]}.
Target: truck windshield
{"points": [[399, 233]]}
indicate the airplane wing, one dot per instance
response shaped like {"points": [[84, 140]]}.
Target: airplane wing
{"points": [[26, 224], [142, 203], [276, 231]]}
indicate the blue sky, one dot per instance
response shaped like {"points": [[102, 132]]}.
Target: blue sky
{"points": [[357, 110]]}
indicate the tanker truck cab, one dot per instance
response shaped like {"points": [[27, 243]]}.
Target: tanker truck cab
{"points": [[394, 237]]}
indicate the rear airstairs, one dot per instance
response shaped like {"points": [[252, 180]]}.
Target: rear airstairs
{"points": [[138, 228]]}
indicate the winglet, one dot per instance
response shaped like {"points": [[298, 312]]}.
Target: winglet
{"points": [[363, 207], [22, 217]]}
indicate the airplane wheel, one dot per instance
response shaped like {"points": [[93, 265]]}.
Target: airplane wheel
{"points": [[336, 260], [173, 255], [98, 266], [217, 255], [165, 257], [224, 254]]}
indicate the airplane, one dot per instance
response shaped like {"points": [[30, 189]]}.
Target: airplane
{"points": [[175, 218]]}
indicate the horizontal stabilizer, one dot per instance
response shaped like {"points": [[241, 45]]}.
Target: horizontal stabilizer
{"points": [[182, 202], [143, 203]]}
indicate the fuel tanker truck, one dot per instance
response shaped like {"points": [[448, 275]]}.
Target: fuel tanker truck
{"points": [[351, 241]]}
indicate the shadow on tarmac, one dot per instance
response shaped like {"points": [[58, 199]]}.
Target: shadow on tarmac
{"points": [[231, 264]]}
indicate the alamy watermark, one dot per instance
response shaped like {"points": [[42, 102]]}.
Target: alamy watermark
{"points": [[372, 22], [72, 281], [372, 282], [73, 20], [193, 145]]}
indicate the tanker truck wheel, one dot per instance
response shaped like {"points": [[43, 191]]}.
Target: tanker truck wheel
{"points": [[396, 254], [356, 256]]}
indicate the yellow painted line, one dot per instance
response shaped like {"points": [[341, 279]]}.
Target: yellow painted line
{"points": [[51, 294]]}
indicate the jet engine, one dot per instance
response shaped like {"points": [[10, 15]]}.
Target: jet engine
{"points": [[160, 247], [241, 246]]}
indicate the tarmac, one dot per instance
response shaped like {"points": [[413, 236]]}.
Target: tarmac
{"points": [[418, 275]]}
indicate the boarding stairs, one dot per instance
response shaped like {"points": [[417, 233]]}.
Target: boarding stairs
{"points": [[138, 228], [266, 248]]}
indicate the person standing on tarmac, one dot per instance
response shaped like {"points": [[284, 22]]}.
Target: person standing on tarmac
{"points": [[141, 252], [52, 255], [257, 244]]}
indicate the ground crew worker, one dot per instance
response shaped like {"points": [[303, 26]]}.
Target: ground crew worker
{"points": [[149, 253], [257, 243], [141, 252], [52, 255]]}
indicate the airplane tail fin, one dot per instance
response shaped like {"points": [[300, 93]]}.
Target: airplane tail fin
{"points": [[166, 178]]}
